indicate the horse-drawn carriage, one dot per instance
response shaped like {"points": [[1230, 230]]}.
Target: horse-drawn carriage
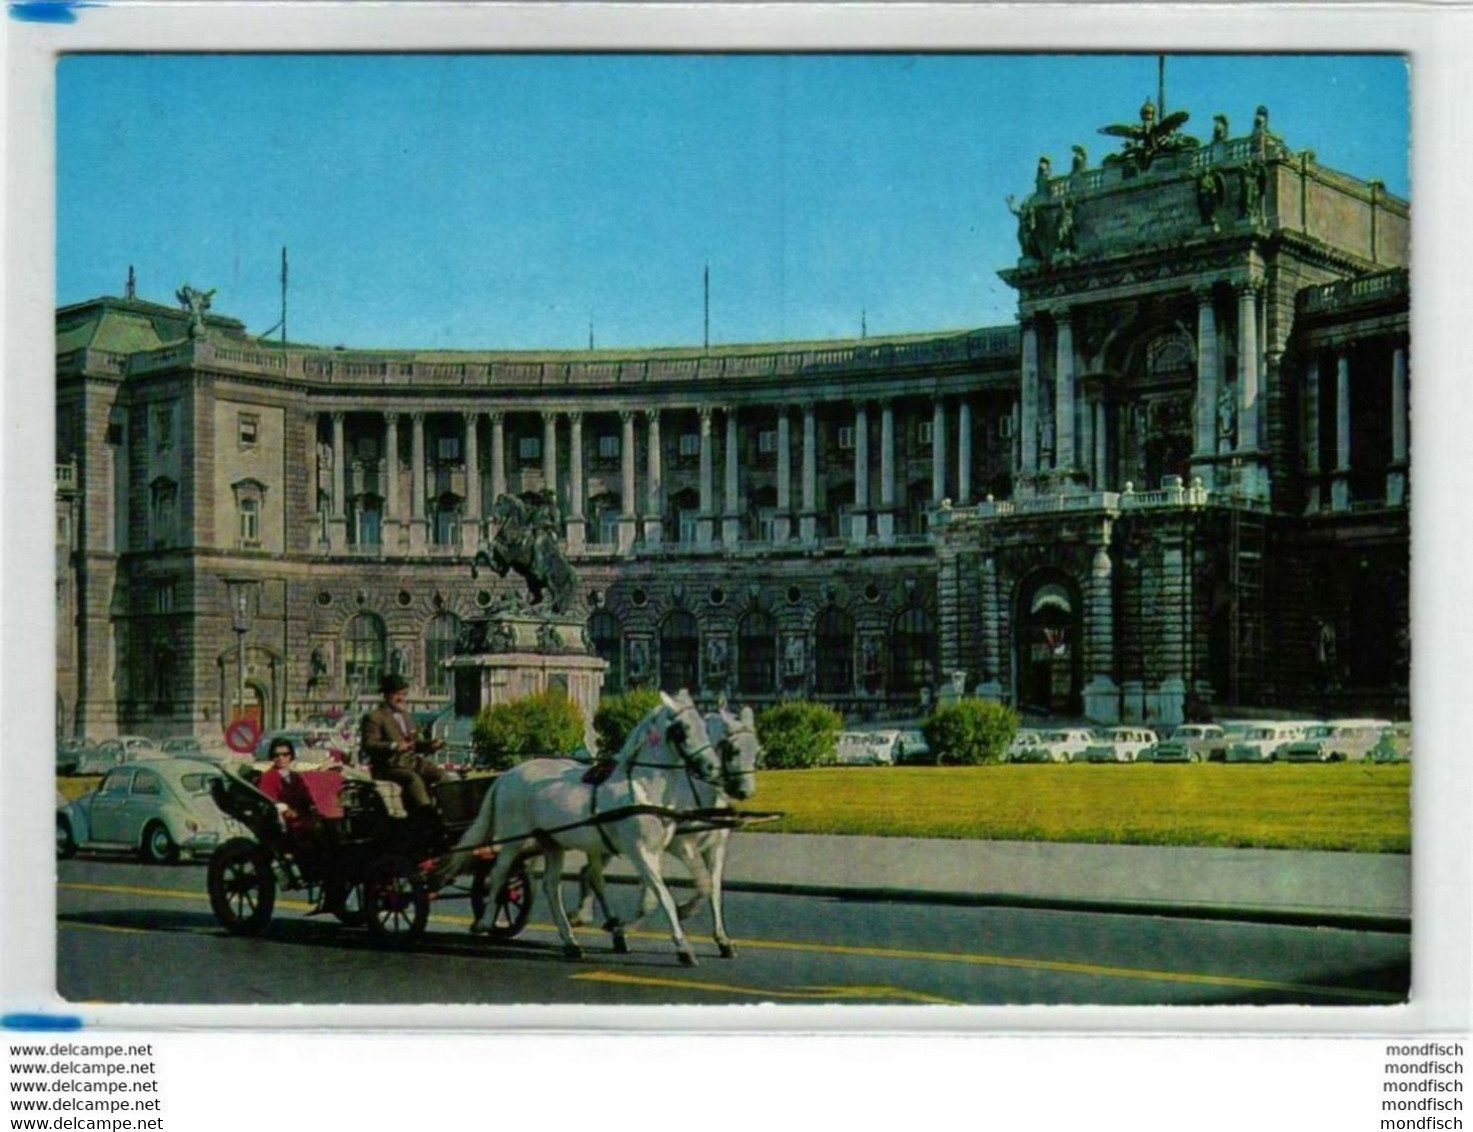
{"points": [[359, 862], [669, 789]]}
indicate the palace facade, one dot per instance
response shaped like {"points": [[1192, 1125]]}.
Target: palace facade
{"points": [[1179, 485]]}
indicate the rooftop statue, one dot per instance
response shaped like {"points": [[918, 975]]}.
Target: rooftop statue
{"points": [[1151, 138], [1081, 159], [526, 540], [196, 303], [1219, 127]]}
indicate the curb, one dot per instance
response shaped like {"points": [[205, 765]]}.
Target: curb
{"points": [[1285, 917]]}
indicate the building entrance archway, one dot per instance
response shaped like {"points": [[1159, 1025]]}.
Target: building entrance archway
{"points": [[1048, 645]]}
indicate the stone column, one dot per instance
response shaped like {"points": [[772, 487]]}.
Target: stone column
{"points": [[938, 451], [963, 452], [470, 527], [653, 532], [392, 525], [705, 523], [989, 686], [782, 523], [885, 520], [1207, 368], [1064, 392], [337, 525], [1087, 440], [859, 519], [1102, 439], [1396, 476], [1101, 693], [1248, 368], [577, 520], [1312, 468], [498, 456], [731, 514], [549, 458], [628, 512], [418, 524], [1340, 485], [1029, 399], [808, 518]]}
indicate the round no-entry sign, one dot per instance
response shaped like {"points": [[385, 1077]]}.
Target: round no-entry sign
{"points": [[242, 736]]}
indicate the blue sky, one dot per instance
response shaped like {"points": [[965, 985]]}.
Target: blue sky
{"points": [[483, 201]]}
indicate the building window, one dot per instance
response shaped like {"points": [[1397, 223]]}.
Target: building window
{"points": [[161, 596], [690, 444], [440, 637], [1005, 427], [529, 448], [846, 437], [366, 449], [448, 448], [604, 632], [767, 442], [767, 524], [363, 653], [160, 678], [923, 433], [833, 652], [163, 511], [447, 520], [366, 523], [250, 522], [608, 447], [688, 518], [757, 654], [680, 652], [249, 429], [163, 428], [911, 666], [250, 494]]}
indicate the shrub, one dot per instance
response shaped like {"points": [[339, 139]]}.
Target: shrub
{"points": [[617, 715], [548, 723], [797, 734], [970, 731]]}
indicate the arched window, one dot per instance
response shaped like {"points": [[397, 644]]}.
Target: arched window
{"points": [[440, 637], [680, 651], [757, 654], [363, 652], [605, 633], [911, 637], [833, 652]]}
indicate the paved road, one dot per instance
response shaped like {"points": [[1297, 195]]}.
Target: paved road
{"points": [[134, 933]]}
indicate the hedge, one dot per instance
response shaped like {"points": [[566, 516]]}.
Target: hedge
{"points": [[617, 715], [548, 723], [970, 731], [797, 734]]}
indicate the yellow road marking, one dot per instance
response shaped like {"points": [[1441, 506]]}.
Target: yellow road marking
{"points": [[826, 993], [104, 928], [1060, 966]]}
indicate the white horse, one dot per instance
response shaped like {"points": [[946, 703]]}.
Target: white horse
{"points": [[702, 848], [546, 805]]}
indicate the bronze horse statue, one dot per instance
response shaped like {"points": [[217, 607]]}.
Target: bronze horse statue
{"points": [[526, 541]]}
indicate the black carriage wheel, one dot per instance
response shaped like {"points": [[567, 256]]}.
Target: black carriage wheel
{"points": [[242, 886], [396, 902], [158, 847], [66, 844], [513, 903]]}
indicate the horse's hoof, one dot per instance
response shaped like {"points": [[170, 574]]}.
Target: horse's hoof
{"points": [[572, 951], [576, 920], [726, 950], [687, 959], [478, 928], [621, 945]]}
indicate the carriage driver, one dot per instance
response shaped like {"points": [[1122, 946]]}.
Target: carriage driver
{"points": [[394, 753]]}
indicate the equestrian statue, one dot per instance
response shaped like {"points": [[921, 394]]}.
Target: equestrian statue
{"points": [[526, 540]]}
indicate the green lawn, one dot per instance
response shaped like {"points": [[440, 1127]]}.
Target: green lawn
{"points": [[1360, 807]]}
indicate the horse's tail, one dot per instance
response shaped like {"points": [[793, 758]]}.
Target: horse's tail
{"points": [[481, 559], [481, 832]]}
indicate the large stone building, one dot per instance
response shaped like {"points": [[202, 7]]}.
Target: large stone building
{"points": [[1178, 484]]}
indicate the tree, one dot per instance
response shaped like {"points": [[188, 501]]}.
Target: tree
{"points": [[548, 723], [617, 715], [970, 731]]}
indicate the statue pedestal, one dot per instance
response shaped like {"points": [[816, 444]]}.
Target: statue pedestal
{"points": [[512, 654]]}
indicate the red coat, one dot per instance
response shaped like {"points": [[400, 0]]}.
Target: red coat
{"points": [[291, 792]]}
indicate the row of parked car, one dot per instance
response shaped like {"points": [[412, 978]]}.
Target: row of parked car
{"points": [[316, 742], [1233, 741]]}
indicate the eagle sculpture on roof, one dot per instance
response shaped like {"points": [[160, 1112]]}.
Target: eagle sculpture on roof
{"points": [[1150, 138]]}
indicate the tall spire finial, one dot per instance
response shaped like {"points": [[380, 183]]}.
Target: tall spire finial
{"points": [[131, 291]]}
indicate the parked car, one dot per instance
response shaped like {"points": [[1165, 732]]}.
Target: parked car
{"points": [[1026, 747], [158, 808], [1353, 740], [112, 752], [1068, 745], [866, 748], [1192, 743], [313, 746], [1120, 745], [1394, 745], [1312, 747], [70, 753], [1263, 742]]}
